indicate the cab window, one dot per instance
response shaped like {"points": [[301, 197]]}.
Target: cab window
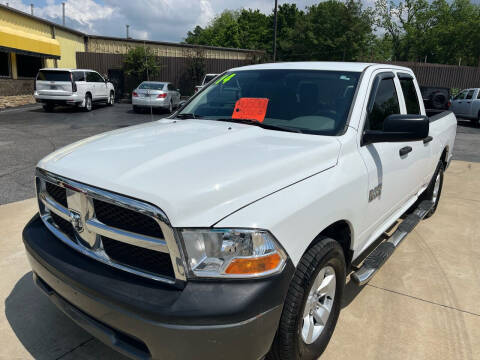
{"points": [[78, 76], [410, 95], [469, 94], [384, 103], [460, 96]]}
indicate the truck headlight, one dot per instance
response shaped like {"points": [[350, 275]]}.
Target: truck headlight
{"points": [[232, 253]]}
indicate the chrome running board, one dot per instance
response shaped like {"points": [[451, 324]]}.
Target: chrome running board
{"points": [[382, 252]]}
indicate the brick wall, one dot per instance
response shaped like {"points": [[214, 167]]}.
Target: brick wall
{"points": [[13, 87]]}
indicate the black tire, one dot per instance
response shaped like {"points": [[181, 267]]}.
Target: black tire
{"points": [[48, 107], [135, 109], [88, 103], [170, 107], [428, 194], [288, 343]]}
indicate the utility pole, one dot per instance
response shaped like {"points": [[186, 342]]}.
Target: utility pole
{"points": [[127, 26], [31, 9], [63, 13], [275, 31]]}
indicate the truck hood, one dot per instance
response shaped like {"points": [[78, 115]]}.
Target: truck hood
{"points": [[196, 171]]}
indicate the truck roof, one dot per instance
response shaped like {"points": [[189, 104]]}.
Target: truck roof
{"points": [[319, 65]]}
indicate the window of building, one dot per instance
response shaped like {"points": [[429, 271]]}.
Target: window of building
{"points": [[410, 95], [4, 64], [28, 66], [385, 104]]}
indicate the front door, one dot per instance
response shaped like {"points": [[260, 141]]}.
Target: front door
{"points": [[467, 104], [391, 167], [457, 103]]}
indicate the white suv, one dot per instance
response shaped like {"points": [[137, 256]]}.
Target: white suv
{"points": [[72, 87]]}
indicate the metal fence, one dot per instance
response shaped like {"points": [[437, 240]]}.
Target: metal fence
{"points": [[172, 69], [175, 70], [449, 76]]}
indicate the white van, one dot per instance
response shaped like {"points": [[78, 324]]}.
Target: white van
{"points": [[76, 87]]}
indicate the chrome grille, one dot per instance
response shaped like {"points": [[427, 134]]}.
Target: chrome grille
{"points": [[122, 232]]}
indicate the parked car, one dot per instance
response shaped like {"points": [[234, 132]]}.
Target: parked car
{"points": [[206, 79], [156, 95], [228, 229], [435, 99], [76, 87], [467, 105]]}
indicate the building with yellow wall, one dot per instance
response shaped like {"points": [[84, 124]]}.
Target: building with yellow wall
{"points": [[28, 43]]}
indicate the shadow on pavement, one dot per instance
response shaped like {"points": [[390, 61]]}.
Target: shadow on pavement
{"points": [[350, 293], [41, 328]]}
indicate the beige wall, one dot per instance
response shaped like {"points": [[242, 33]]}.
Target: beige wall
{"points": [[69, 45], [113, 46]]}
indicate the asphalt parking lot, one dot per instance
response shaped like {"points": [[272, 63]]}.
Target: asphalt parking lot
{"points": [[28, 134], [423, 304]]}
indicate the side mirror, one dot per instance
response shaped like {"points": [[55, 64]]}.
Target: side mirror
{"points": [[399, 128]]}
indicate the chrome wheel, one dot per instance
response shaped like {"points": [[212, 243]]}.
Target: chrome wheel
{"points": [[319, 305], [436, 189], [112, 99]]}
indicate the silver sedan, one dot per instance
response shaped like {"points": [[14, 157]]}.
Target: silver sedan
{"points": [[156, 95]]}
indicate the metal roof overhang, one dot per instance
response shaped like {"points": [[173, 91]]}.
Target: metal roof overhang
{"points": [[21, 42]]}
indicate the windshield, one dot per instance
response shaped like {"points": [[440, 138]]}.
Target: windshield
{"points": [[151, 86], [310, 101], [53, 75], [209, 78]]}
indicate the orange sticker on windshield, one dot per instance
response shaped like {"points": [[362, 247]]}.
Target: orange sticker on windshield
{"points": [[250, 108]]}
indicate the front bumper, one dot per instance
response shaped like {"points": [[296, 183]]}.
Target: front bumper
{"points": [[144, 319]]}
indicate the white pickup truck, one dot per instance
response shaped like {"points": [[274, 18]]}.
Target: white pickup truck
{"points": [[228, 229]]}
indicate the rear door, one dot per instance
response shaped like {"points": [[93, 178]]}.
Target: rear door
{"points": [[421, 150], [91, 84], [54, 83], [175, 95]]}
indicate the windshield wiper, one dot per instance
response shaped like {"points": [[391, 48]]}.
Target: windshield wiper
{"points": [[262, 125], [188, 116]]}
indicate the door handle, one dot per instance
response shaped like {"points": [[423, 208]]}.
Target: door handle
{"points": [[405, 150], [468, 102], [427, 139]]}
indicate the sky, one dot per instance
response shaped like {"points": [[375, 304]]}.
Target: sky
{"points": [[161, 20]]}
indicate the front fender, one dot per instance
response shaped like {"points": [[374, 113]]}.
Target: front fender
{"points": [[298, 213]]}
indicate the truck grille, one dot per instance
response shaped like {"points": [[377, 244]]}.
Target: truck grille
{"points": [[59, 194], [138, 257], [126, 219], [124, 233]]}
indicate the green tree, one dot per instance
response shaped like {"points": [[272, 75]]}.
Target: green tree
{"points": [[333, 30], [141, 63], [441, 31]]}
